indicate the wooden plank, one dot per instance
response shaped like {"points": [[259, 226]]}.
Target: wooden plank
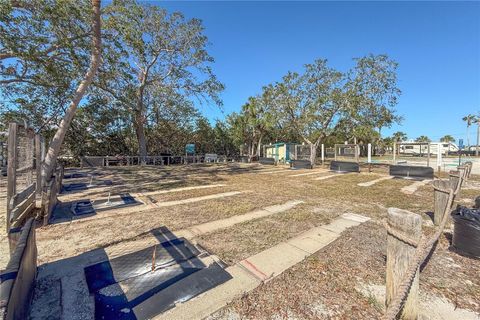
{"points": [[402, 224], [12, 164], [21, 196], [22, 208], [24, 215]]}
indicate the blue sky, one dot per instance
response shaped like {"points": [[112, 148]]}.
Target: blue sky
{"points": [[437, 46]]}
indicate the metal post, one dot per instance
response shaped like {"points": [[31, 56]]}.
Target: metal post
{"points": [[369, 153]]}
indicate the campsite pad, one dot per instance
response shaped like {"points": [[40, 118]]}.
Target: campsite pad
{"points": [[127, 288], [66, 211], [72, 187], [87, 207]]}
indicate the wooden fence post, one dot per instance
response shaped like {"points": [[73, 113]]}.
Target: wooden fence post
{"points": [[441, 191], [38, 163], [404, 231], [12, 168], [456, 181]]}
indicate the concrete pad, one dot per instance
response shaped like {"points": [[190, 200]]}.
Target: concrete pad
{"points": [[411, 189], [196, 199], [355, 217], [283, 207], [371, 183], [309, 173], [273, 261], [273, 172], [333, 175], [228, 222], [313, 240], [340, 224], [151, 193], [209, 302]]}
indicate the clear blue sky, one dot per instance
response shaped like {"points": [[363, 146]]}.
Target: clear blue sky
{"points": [[437, 45]]}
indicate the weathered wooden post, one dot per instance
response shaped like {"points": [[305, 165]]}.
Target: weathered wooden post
{"points": [[455, 181], [38, 163], [404, 230], [441, 191], [12, 168]]}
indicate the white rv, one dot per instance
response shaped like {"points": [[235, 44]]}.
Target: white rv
{"points": [[420, 149]]}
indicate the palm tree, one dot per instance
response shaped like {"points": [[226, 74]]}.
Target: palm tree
{"points": [[447, 138], [469, 119], [399, 136], [423, 139]]}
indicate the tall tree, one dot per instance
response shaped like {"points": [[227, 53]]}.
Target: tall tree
{"points": [[423, 139], [399, 136], [469, 119], [311, 102], [45, 49], [315, 101], [57, 141], [447, 138], [153, 52]]}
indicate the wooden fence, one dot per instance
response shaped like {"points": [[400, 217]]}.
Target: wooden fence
{"points": [[407, 250], [23, 173]]}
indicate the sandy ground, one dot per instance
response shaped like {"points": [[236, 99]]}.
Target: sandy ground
{"points": [[324, 286]]}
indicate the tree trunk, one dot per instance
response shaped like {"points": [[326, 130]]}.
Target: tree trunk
{"points": [[313, 153], [140, 133], [50, 162], [259, 146]]}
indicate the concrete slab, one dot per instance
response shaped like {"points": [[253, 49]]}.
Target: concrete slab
{"points": [[309, 173], [228, 222], [333, 175], [151, 193], [273, 261], [196, 199], [340, 224], [371, 183], [214, 299], [355, 217], [313, 240], [411, 189]]}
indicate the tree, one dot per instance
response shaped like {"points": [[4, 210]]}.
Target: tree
{"points": [[153, 54], [315, 101], [310, 102], [469, 119], [45, 49], [447, 138], [423, 139], [56, 143], [399, 136]]}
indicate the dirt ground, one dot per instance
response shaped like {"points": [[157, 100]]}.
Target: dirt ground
{"points": [[328, 285]]}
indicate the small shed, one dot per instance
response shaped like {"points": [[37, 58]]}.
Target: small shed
{"points": [[280, 151]]}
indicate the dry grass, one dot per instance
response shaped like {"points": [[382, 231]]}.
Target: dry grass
{"points": [[246, 239]]}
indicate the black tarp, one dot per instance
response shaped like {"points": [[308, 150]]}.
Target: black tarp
{"points": [[264, 160], [344, 166], [301, 164], [127, 288], [466, 231], [411, 171]]}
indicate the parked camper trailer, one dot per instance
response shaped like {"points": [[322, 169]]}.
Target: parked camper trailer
{"points": [[421, 149]]}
